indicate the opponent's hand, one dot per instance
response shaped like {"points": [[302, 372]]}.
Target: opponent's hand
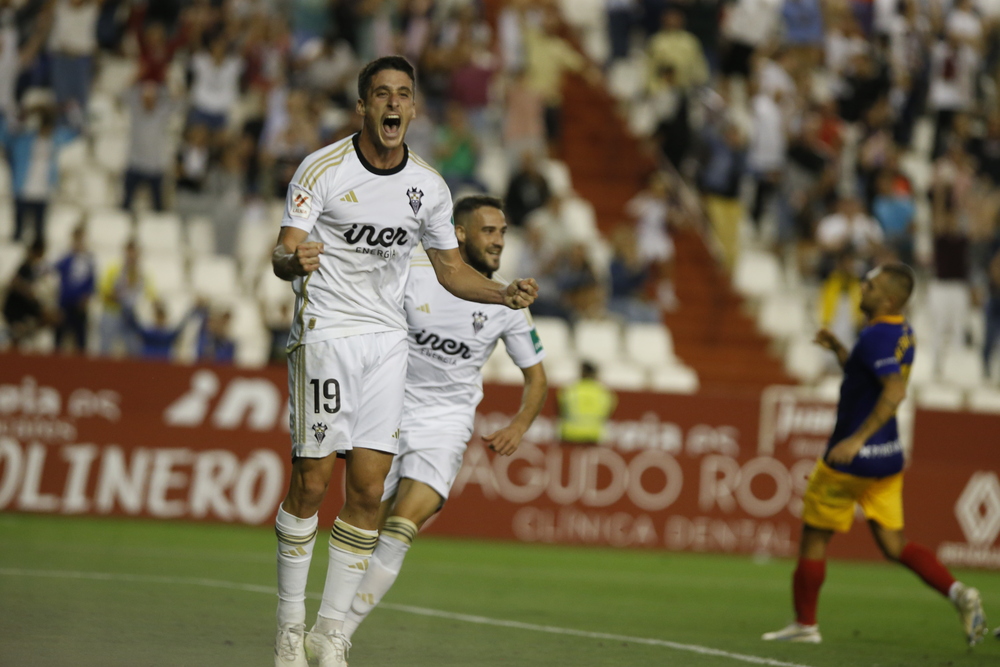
{"points": [[825, 338], [505, 441], [844, 451], [305, 259], [521, 293]]}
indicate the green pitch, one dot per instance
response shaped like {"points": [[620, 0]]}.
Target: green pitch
{"points": [[96, 592]]}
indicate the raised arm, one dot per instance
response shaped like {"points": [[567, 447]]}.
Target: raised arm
{"points": [[536, 387], [293, 257], [893, 393], [466, 283], [825, 338]]}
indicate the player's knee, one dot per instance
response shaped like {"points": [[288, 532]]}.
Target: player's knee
{"points": [[365, 496], [309, 490]]}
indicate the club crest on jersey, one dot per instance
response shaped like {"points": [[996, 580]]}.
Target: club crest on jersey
{"points": [[415, 196], [478, 321], [320, 431]]}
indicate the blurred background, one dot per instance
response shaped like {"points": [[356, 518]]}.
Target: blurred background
{"points": [[697, 185]]}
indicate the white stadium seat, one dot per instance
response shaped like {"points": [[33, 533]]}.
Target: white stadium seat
{"points": [[557, 175], [649, 345], [757, 273], [783, 315], [805, 360], [160, 232], [12, 255], [579, 219], [109, 229], [984, 399], [555, 336], [623, 375], [215, 276], [167, 272], [962, 367], [676, 379], [200, 235], [598, 341], [561, 371], [939, 397]]}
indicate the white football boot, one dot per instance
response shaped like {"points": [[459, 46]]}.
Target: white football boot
{"points": [[795, 632], [328, 650], [970, 608], [289, 646]]}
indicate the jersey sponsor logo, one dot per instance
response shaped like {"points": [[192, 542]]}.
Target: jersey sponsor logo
{"points": [[478, 321], [415, 196], [350, 197], [536, 340], [301, 203], [385, 237], [432, 341]]}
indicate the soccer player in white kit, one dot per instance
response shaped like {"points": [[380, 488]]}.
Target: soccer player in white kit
{"points": [[355, 211], [450, 340]]}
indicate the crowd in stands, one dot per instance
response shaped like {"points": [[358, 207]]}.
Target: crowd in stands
{"points": [[834, 134]]}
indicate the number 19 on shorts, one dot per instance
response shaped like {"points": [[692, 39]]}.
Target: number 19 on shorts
{"points": [[330, 399]]}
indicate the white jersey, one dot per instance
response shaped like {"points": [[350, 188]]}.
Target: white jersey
{"points": [[450, 339], [369, 221]]}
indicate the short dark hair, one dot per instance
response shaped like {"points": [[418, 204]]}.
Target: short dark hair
{"points": [[468, 205], [901, 278], [368, 72], [588, 370]]}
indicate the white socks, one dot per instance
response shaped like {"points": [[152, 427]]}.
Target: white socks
{"points": [[296, 538], [397, 535], [350, 551]]}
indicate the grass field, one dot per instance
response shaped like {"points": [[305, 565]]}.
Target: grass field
{"points": [[103, 592]]}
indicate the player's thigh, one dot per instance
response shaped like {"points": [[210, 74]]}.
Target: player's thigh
{"points": [[829, 499], [432, 457], [324, 384], [380, 399], [882, 502]]}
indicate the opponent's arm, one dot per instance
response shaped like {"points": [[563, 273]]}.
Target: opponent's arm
{"points": [[825, 338], [293, 257], [466, 283], [508, 439], [893, 393]]}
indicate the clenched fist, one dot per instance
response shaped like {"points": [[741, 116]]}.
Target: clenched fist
{"points": [[521, 293]]}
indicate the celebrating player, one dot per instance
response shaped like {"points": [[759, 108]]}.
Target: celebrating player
{"points": [[450, 340], [354, 212], [864, 461]]}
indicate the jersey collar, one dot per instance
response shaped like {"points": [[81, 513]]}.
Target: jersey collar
{"points": [[888, 319], [375, 170]]}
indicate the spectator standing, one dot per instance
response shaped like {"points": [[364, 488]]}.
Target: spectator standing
{"points": [[622, 15], [840, 299], [767, 151], [720, 178], [148, 156], [73, 45], [527, 191], [992, 316], [23, 308], [215, 343], [215, 84], [850, 228], [120, 289], [895, 211], [76, 287], [748, 25], [523, 118], [156, 342], [457, 152], [802, 21], [953, 69], [674, 48], [949, 297], [33, 156], [629, 277], [584, 408]]}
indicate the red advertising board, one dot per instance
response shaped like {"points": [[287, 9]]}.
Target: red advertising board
{"points": [[693, 473]]}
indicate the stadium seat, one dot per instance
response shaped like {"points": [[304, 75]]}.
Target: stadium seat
{"points": [[248, 331], [95, 189], [783, 315], [828, 388], [493, 170], [561, 371], [557, 175], [6, 217], [108, 230], [675, 379], [804, 360], [61, 220], [254, 243], [627, 79], [962, 367], [200, 236], [115, 75], [215, 276], [167, 271], [555, 336], [624, 376], [598, 341], [510, 260], [74, 156], [757, 273], [501, 369], [160, 232], [6, 189], [12, 255], [984, 399], [649, 345], [111, 151], [579, 219], [940, 397], [922, 371]]}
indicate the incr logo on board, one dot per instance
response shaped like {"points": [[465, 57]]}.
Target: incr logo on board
{"points": [[254, 402]]}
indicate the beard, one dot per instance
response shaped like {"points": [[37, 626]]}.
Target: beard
{"points": [[477, 260]]}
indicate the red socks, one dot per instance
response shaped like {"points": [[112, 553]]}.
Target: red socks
{"points": [[806, 582], [922, 560]]}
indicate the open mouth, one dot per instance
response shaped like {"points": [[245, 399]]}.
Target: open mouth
{"points": [[391, 125]]}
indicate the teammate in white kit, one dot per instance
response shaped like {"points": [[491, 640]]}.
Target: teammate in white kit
{"points": [[354, 213], [450, 340]]}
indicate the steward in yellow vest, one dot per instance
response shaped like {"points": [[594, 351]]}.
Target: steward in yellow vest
{"points": [[584, 408]]}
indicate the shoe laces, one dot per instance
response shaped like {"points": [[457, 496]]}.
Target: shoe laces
{"points": [[341, 645], [289, 642]]}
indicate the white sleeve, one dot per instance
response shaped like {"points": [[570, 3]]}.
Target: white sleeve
{"points": [[522, 342], [303, 205], [439, 232]]}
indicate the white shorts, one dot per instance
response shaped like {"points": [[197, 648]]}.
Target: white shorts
{"points": [[428, 457], [347, 392]]}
